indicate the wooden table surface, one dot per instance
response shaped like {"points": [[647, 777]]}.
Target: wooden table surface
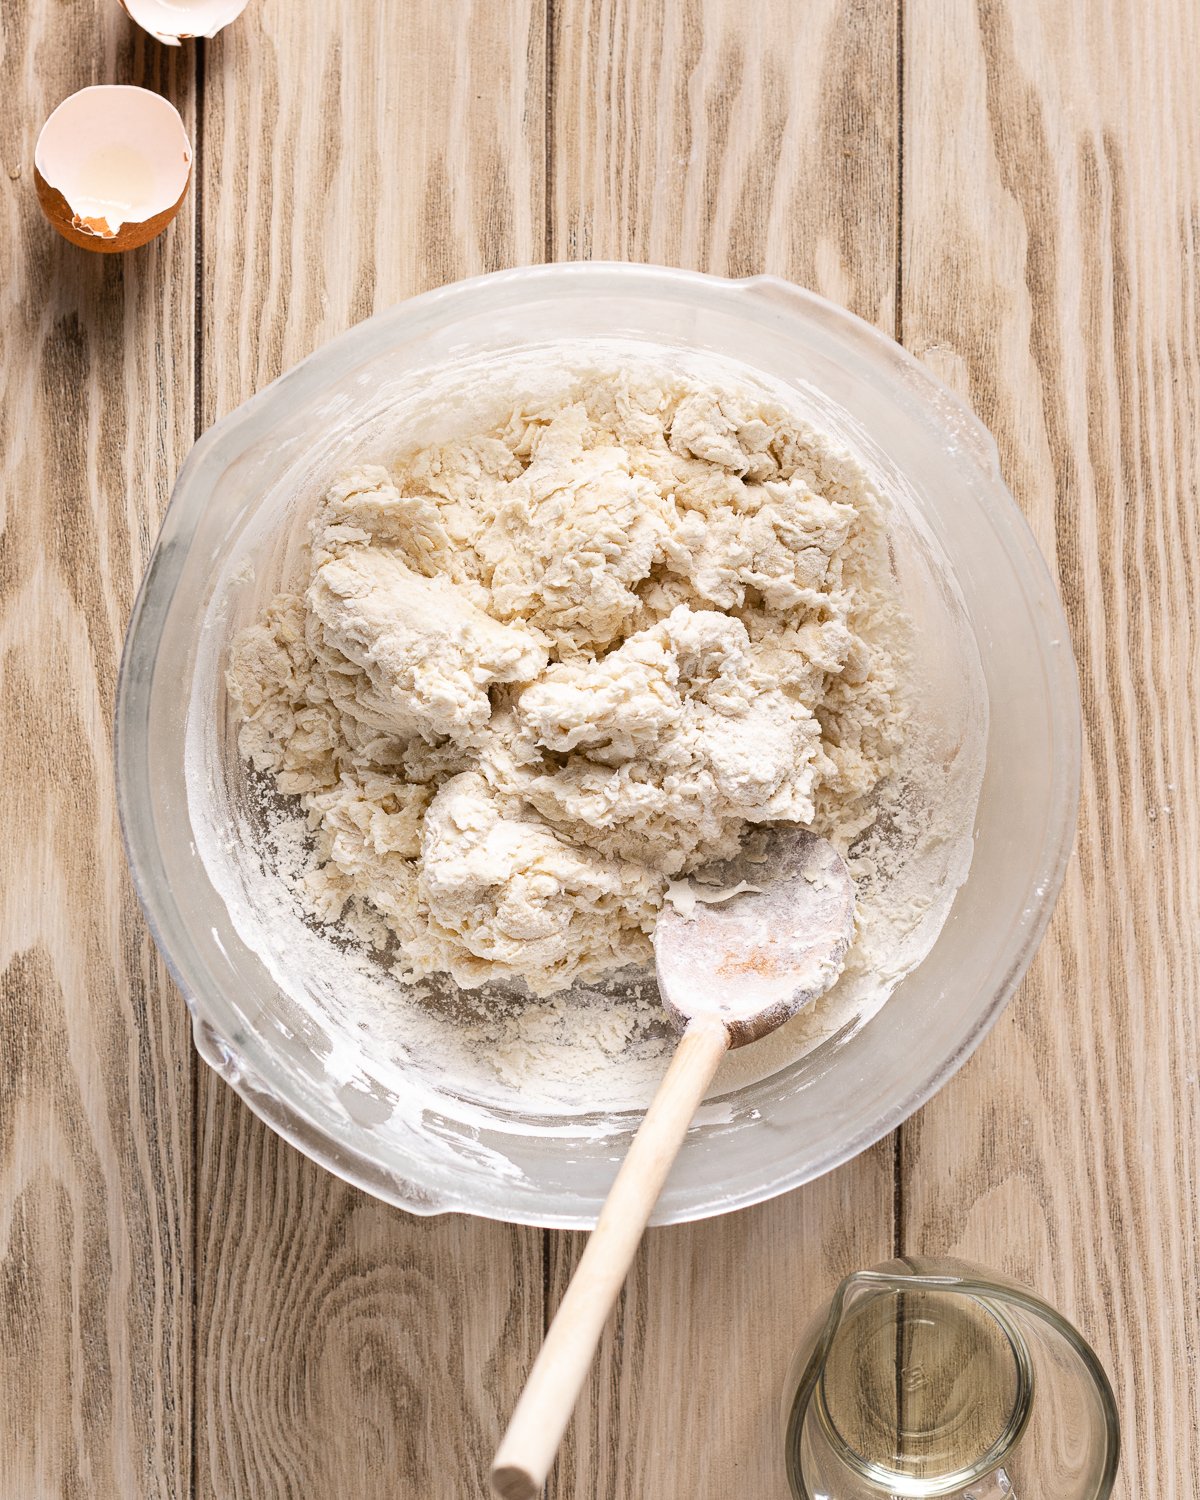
{"points": [[1012, 187]]}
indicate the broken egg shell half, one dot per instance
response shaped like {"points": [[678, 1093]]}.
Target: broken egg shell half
{"points": [[112, 167], [175, 21]]}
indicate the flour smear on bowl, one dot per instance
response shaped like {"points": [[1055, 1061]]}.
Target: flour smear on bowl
{"points": [[525, 678]]}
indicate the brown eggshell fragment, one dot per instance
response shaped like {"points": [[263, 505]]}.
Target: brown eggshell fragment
{"points": [[175, 21], [112, 167]]}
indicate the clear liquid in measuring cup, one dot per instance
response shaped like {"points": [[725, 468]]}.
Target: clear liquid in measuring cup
{"points": [[924, 1393]]}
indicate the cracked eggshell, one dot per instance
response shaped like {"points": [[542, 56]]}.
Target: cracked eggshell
{"points": [[175, 21], [112, 166]]}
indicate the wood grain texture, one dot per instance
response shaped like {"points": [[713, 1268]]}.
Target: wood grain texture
{"points": [[95, 1067], [353, 155], [350, 154], [733, 139], [730, 138], [1052, 228]]}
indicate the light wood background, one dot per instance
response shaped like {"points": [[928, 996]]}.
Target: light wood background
{"points": [[1012, 187]]}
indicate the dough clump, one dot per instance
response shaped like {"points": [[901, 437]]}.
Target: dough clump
{"points": [[534, 675]]}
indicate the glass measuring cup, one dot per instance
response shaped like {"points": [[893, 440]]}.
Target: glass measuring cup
{"points": [[925, 1378]]}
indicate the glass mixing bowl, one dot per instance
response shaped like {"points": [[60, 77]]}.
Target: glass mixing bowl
{"points": [[992, 653]]}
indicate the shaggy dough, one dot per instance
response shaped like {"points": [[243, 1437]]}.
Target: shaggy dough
{"points": [[535, 675]]}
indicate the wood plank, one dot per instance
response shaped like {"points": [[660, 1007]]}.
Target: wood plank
{"points": [[353, 155], [731, 138], [96, 411], [356, 155], [1052, 225]]}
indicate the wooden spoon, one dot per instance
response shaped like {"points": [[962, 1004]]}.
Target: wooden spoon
{"points": [[728, 973]]}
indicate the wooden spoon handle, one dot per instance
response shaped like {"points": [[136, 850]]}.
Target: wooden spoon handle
{"points": [[524, 1457]]}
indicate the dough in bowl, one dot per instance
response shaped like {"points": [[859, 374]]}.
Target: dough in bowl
{"points": [[535, 674]]}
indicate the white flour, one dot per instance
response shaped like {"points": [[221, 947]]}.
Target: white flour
{"points": [[536, 673]]}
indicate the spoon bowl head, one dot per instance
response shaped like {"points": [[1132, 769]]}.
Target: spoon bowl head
{"points": [[772, 937]]}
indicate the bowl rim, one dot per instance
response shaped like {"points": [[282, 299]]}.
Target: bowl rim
{"points": [[257, 1083]]}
